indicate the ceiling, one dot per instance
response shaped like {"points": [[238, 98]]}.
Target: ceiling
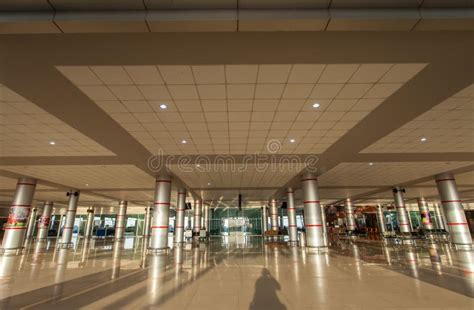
{"points": [[239, 100]]}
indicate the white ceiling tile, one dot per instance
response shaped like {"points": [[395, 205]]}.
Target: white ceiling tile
{"points": [[353, 91], [188, 105], [112, 75], [209, 74], [212, 91], [239, 105], [369, 73], [305, 73], [269, 91], [183, 92], [177, 74], [297, 90], [126, 92], [262, 116], [273, 73], [239, 74], [155, 92], [340, 73], [265, 105], [382, 90], [341, 105], [214, 105], [137, 106], [144, 75], [326, 91], [240, 91]]}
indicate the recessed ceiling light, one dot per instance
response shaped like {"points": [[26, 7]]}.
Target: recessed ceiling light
{"points": [[163, 106], [292, 140], [208, 184], [198, 165], [184, 141], [52, 143], [87, 184], [316, 105], [423, 139], [371, 164]]}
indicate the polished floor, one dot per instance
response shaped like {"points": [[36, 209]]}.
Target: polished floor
{"points": [[237, 273]]}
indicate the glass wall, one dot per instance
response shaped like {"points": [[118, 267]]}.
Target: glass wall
{"points": [[225, 221]]}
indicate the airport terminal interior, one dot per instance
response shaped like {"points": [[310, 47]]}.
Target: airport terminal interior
{"points": [[237, 154]]}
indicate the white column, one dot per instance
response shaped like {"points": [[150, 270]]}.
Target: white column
{"points": [[292, 228], [15, 228], [197, 217], [381, 220], [350, 218], [31, 224], [264, 219], [453, 210], [45, 219], [90, 223], [312, 212], [180, 209], [425, 215], [402, 214], [120, 220], [206, 217], [70, 218], [147, 223], [274, 215], [160, 222]]}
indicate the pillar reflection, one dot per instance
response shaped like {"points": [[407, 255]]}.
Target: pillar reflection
{"points": [[156, 278], [116, 258]]}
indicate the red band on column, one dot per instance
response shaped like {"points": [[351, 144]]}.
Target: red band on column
{"points": [[313, 225], [162, 203], [159, 226], [448, 201], [291, 209], [30, 184], [456, 224], [14, 228], [311, 201], [443, 180]]}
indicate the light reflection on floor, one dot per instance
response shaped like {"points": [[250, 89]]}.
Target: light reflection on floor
{"points": [[236, 273]]}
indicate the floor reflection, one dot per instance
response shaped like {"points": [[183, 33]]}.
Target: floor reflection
{"points": [[101, 273]]}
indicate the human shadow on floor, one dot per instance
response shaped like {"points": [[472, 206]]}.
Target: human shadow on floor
{"points": [[265, 293]]}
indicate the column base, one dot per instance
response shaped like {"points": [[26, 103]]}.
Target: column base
{"points": [[458, 246], [64, 245], [317, 250], [293, 243], [158, 251], [11, 251]]}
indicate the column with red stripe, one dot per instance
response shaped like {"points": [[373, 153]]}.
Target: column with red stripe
{"points": [[161, 208], [70, 218], [350, 219], [453, 210], [179, 224], [312, 212], [273, 215], [43, 225], [425, 215], [402, 213], [15, 228], [292, 229], [120, 221], [197, 217]]}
